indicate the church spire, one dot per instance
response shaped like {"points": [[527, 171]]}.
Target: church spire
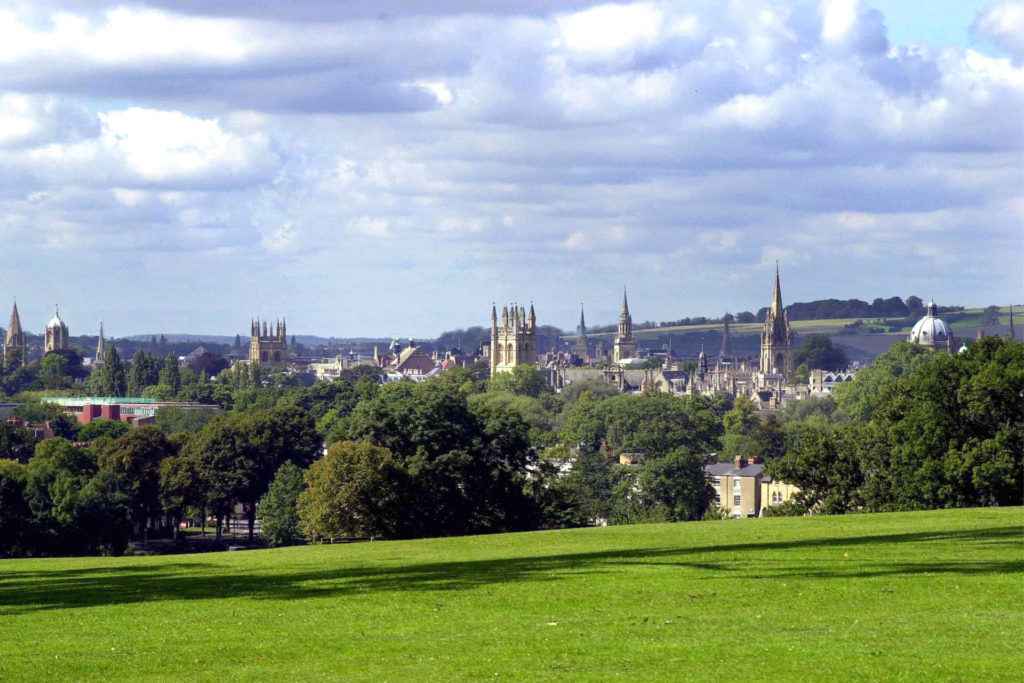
{"points": [[777, 294], [14, 328], [101, 347], [581, 331], [625, 305]]}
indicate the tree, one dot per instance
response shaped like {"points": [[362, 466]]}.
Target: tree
{"points": [[180, 488], [15, 514], [991, 315], [354, 490], [279, 514], [915, 304], [817, 352], [52, 371], [16, 443], [98, 428], [134, 459], [171, 375], [110, 379], [524, 380]]}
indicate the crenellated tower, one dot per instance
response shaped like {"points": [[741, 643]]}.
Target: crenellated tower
{"points": [[515, 341], [268, 344]]}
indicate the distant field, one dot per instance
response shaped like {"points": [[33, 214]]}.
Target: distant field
{"points": [[932, 595], [972, 319]]}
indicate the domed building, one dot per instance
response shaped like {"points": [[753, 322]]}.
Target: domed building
{"points": [[56, 334], [931, 331]]}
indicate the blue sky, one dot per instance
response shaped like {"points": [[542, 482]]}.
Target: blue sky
{"points": [[392, 169]]}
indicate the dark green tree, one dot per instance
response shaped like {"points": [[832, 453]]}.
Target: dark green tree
{"points": [[817, 352], [279, 516], [171, 374]]}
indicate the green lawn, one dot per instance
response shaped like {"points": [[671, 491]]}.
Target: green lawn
{"points": [[915, 596]]}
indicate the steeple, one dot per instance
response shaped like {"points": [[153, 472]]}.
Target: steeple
{"points": [[101, 347], [625, 306], [15, 350], [581, 329], [624, 347], [777, 294]]}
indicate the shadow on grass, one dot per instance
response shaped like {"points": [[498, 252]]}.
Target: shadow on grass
{"points": [[22, 592]]}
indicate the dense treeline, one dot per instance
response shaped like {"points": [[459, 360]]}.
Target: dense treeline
{"points": [[457, 455]]}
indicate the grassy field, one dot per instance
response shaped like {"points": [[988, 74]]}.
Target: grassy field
{"points": [[915, 596]]}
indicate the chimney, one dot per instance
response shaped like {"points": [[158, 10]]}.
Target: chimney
{"points": [[755, 459], [738, 462]]}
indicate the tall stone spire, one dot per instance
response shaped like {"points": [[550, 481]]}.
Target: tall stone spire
{"points": [[15, 350], [581, 329], [1011, 333], [777, 294], [579, 348], [624, 347], [101, 347]]}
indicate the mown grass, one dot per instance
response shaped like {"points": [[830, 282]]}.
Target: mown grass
{"points": [[931, 595]]}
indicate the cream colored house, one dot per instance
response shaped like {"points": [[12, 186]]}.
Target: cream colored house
{"points": [[743, 489]]}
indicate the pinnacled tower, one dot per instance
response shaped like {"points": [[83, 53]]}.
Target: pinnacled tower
{"points": [[579, 347], [515, 341], [15, 349], [777, 337], [268, 345], [56, 334], [625, 345]]}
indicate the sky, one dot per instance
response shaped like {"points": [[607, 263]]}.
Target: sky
{"points": [[393, 168]]}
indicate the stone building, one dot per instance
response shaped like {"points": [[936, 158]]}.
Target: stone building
{"points": [[777, 338], [625, 345], [268, 345], [15, 348], [56, 335], [515, 341], [579, 347], [931, 331]]}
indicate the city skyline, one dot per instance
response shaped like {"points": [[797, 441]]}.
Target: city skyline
{"points": [[394, 172]]}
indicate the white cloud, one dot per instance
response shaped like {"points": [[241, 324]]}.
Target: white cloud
{"points": [[1004, 23], [372, 227]]}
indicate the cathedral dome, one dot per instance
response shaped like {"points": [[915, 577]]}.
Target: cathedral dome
{"points": [[931, 330]]}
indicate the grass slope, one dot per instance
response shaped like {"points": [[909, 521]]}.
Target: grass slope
{"points": [[912, 596]]}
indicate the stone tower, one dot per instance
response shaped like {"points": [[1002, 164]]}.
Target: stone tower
{"points": [[579, 347], [268, 344], [56, 334], [625, 345], [515, 341], [777, 337], [15, 349]]}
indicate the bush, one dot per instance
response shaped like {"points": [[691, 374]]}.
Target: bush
{"points": [[278, 507]]}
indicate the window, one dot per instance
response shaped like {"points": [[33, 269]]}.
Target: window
{"points": [[737, 482], [717, 481], [736, 500]]}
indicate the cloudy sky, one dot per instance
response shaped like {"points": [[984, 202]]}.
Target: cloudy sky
{"points": [[180, 166]]}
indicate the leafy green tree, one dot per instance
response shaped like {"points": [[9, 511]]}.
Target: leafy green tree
{"points": [[858, 400], [171, 374], [524, 380], [825, 466], [52, 371], [16, 520], [591, 479], [223, 466], [279, 514], [110, 379], [172, 419], [134, 459], [180, 488], [98, 428], [816, 352], [355, 490], [16, 443], [673, 488]]}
